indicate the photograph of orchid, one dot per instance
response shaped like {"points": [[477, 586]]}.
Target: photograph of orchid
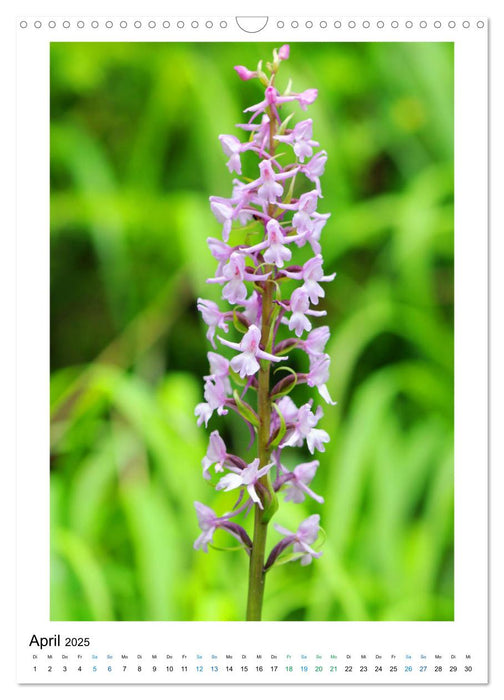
{"points": [[270, 209], [252, 304]]}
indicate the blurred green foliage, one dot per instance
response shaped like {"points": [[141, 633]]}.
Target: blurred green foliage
{"points": [[134, 158]]}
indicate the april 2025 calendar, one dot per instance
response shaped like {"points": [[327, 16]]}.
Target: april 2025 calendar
{"points": [[257, 401]]}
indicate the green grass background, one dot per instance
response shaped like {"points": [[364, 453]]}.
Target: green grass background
{"points": [[134, 158]]}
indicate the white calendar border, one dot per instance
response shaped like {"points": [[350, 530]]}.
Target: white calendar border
{"points": [[469, 631]]}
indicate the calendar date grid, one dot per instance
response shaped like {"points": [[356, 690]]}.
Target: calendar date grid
{"points": [[169, 667]]}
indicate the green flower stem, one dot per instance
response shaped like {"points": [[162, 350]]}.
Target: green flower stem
{"points": [[262, 516], [256, 571]]}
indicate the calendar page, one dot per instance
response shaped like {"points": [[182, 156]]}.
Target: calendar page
{"points": [[252, 379]]}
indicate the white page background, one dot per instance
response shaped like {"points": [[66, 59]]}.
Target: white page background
{"points": [[8, 589]]}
